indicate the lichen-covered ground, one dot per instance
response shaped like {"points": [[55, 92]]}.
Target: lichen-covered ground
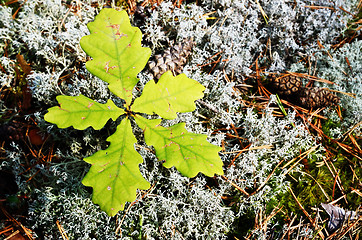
{"points": [[282, 159]]}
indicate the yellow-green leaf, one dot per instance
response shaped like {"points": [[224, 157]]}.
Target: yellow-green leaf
{"points": [[115, 47], [189, 152], [82, 112], [169, 96], [115, 175]]}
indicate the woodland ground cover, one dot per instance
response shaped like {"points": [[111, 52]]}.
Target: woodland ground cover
{"points": [[282, 158]]}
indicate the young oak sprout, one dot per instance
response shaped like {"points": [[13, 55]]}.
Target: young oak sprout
{"points": [[118, 57]]}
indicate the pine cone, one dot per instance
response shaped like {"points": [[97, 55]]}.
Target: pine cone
{"points": [[317, 97], [286, 84], [174, 58]]}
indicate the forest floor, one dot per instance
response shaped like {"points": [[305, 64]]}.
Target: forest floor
{"points": [[335, 180]]}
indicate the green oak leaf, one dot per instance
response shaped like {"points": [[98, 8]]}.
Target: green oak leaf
{"points": [[189, 152], [115, 175], [169, 96], [115, 47], [82, 112]]}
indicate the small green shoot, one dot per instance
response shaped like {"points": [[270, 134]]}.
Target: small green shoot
{"points": [[118, 57]]}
